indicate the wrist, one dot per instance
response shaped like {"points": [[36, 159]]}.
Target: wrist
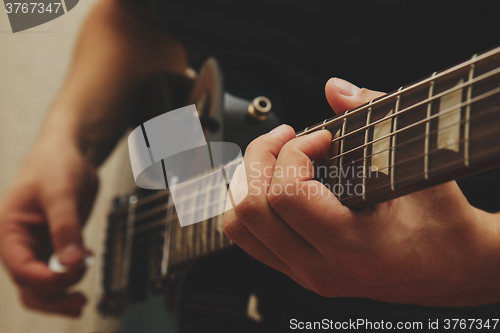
{"points": [[72, 131], [483, 278]]}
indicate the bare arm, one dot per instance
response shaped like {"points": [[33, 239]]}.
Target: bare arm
{"points": [[120, 45], [53, 193]]}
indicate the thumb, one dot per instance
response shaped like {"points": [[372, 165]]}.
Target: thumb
{"points": [[65, 230], [343, 95]]}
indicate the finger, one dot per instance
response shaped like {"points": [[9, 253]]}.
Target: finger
{"points": [[65, 228], [254, 211], [300, 200], [343, 95], [21, 260], [70, 305], [238, 233]]}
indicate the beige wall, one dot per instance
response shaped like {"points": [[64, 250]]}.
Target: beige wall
{"points": [[32, 68]]}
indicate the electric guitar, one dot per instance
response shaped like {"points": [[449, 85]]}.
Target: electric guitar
{"points": [[429, 132]]}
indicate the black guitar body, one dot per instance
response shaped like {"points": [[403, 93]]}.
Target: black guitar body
{"points": [[207, 295]]}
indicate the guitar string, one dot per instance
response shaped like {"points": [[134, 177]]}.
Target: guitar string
{"points": [[189, 252], [416, 157], [421, 103], [463, 121], [186, 255], [146, 227], [155, 223], [423, 121], [160, 209], [496, 149], [166, 192], [191, 196], [455, 108], [379, 100]]}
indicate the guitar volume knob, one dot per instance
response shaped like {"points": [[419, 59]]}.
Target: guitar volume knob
{"points": [[259, 108]]}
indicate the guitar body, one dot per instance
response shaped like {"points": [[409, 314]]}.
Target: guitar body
{"points": [[217, 297]]}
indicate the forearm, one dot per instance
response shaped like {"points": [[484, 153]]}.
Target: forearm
{"points": [[118, 47]]}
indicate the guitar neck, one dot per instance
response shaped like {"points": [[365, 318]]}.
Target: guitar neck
{"points": [[438, 129]]}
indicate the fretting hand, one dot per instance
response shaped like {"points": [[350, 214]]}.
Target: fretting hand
{"points": [[429, 248]]}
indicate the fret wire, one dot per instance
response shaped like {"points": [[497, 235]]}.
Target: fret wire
{"points": [[427, 130], [365, 150], [171, 219], [467, 114], [198, 246], [230, 196], [416, 157], [172, 237], [184, 199], [393, 141], [341, 160], [190, 238], [496, 149], [172, 261], [178, 242], [204, 241], [212, 233], [128, 241], [424, 81], [173, 252], [184, 246], [166, 246], [324, 124], [219, 220], [163, 193], [446, 111], [415, 138], [156, 223], [425, 101]]}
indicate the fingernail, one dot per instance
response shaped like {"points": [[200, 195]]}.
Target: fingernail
{"points": [[238, 186], [345, 88], [278, 129], [71, 254]]}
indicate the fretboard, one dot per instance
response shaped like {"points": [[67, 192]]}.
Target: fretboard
{"points": [[438, 129]]}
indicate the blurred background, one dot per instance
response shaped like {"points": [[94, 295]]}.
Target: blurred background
{"points": [[33, 66]]}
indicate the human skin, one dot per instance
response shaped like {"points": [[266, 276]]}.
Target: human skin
{"points": [[51, 197], [428, 248]]}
